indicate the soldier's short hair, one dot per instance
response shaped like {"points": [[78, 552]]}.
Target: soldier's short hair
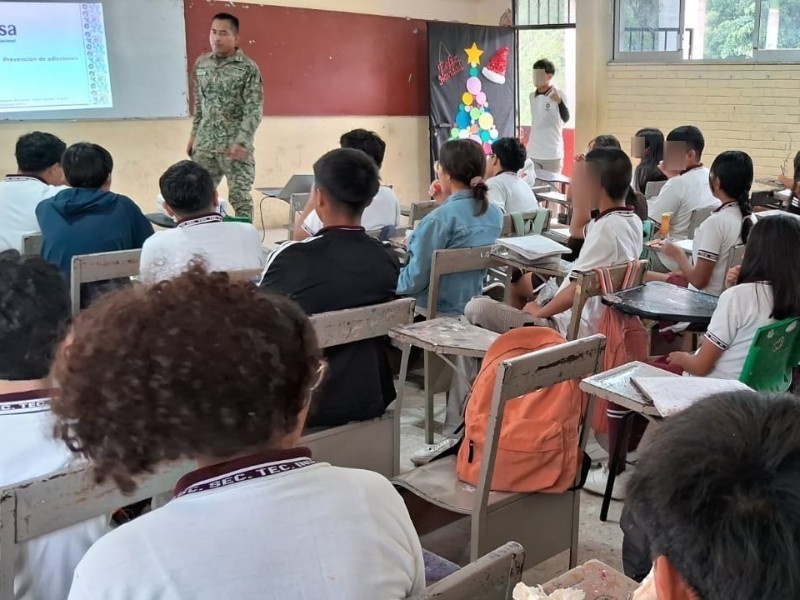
{"points": [[87, 165], [188, 188], [366, 141], [233, 20], [350, 178], [37, 151]]}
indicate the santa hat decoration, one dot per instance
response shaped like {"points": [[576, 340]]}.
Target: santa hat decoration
{"points": [[495, 71]]}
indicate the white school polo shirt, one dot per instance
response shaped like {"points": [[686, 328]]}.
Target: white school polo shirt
{"points": [[28, 450], [271, 527], [383, 211], [615, 237], [224, 246], [680, 196], [741, 311], [511, 194], [547, 129], [19, 197], [714, 240]]}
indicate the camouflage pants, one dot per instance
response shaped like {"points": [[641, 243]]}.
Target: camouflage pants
{"points": [[239, 173]]}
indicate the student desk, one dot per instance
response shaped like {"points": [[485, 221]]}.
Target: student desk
{"points": [[446, 336], [558, 268], [771, 213], [556, 180], [616, 386], [596, 580], [659, 301], [161, 220]]}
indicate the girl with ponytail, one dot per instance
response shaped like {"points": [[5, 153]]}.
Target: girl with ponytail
{"points": [[466, 219], [730, 178]]}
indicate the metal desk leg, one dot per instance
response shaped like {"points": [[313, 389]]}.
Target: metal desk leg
{"points": [[622, 442]]}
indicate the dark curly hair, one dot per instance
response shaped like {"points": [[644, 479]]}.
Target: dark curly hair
{"points": [[193, 366]]}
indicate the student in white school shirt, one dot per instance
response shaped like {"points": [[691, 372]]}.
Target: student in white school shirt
{"points": [[382, 212], [39, 176], [731, 178], [765, 289], [614, 236], [549, 112], [687, 187], [506, 190], [259, 519], [190, 196], [35, 310]]}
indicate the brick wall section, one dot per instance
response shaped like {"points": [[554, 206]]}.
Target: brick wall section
{"points": [[754, 108]]}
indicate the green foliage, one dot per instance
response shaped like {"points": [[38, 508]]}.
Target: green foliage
{"points": [[729, 28]]}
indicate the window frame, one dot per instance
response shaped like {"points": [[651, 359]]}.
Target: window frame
{"points": [[760, 55]]}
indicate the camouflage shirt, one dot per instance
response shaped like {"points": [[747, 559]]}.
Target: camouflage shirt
{"points": [[228, 101]]}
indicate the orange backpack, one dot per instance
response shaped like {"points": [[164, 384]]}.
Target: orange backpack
{"points": [[538, 447]]}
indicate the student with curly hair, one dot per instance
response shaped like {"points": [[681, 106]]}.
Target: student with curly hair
{"points": [[139, 384], [34, 315]]}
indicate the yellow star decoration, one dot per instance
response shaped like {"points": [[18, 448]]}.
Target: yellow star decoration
{"points": [[474, 55]]}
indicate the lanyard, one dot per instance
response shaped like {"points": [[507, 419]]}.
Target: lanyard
{"points": [[247, 474], [215, 218]]}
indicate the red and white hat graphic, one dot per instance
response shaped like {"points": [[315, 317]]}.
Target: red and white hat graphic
{"points": [[495, 71]]}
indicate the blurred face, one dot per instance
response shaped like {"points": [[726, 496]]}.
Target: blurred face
{"points": [[223, 39], [586, 183], [542, 79], [493, 166], [444, 178], [677, 157]]}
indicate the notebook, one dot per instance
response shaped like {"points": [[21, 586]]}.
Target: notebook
{"points": [[533, 247], [673, 394]]}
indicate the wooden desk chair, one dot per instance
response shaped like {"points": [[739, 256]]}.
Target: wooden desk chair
{"points": [[419, 210], [545, 524], [736, 256], [47, 504], [90, 268], [32, 244], [696, 219], [491, 577], [589, 287], [375, 444], [241, 275], [653, 189], [526, 223], [774, 353], [297, 204]]}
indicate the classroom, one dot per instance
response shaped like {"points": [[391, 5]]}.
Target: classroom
{"points": [[455, 299]]}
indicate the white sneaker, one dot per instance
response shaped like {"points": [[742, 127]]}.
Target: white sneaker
{"points": [[597, 479], [425, 455]]}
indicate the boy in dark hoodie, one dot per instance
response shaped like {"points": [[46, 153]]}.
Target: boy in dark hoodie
{"points": [[88, 218]]}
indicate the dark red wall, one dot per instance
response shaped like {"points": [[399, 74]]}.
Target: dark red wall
{"points": [[318, 62]]}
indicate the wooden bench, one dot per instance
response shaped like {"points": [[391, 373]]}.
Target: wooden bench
{"points": [[32, 244], [91, 268]]}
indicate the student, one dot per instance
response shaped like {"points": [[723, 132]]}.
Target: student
{"points": [[687, 188], [190, 196], [792, 183], [613, 236], [258, 518], [39, 176], [466, 219], [88, 218], [549, 112], [648, 171], [731, 178], [717, 494], [34, 315], [383, 211], [506, 190], [768, 290], [342, 267]]}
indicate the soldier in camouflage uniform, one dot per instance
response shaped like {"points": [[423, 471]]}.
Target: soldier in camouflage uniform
{"points": [[229, 96]]}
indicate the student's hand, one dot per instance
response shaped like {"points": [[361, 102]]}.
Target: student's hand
{"points": [[732, 276], [669, 174], [190, 147], [786, 182], [671, 250], [237, 152], [436, 192], [555, 97], [580, 158], [532, 308], [679, 359]]}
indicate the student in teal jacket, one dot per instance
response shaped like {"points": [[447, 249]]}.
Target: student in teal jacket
{"points": [[466, 219]]}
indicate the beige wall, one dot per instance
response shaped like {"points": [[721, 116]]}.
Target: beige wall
{"points": [[143, 149]]}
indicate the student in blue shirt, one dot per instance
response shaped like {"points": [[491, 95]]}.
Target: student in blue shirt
{"points": [[466, 219]]}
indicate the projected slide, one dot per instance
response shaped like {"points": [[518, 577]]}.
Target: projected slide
{"points": [[53, 57]]}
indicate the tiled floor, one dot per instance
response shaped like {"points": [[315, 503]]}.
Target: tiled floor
{"points": [[602, 541]]}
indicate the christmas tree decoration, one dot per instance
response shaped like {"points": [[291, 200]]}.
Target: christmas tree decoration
{"points": [[474, 55], [495, 70], [474, 119]]}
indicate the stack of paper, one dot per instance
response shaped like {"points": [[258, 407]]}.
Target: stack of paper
{"points": [[533, 247], [673, 394]]}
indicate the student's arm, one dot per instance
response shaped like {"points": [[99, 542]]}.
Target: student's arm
{"points": [[279, 272], [562, 301], [429, 235], [699, 275], [198, 110], [142, 228], [668, 201], [700, 364], [253, 96]]}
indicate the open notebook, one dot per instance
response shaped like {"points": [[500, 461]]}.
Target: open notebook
{"points": [[533, 247], [673, 394]]}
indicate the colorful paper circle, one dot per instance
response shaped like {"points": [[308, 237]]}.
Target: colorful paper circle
{"points": [[480, 98], [486, 121], [454, 132], [474, 86], [487, 147], [468, 108], [485, 136], [494, 134], [475, 138], [474, 129], [466, 98], [462, 120], [463, 134], [473, 72], [475, 114]]}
